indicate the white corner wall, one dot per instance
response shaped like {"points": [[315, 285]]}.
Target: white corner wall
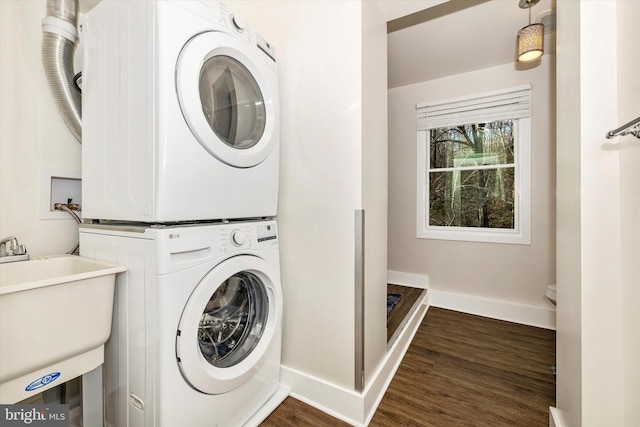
{"points": [[33, 136], [602, 361], [628, 15], [597, 352], [514, 275], [569, 313], [374, 182], [327, 135]]}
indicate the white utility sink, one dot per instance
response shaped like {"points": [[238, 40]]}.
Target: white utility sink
{"points": [[55, 316]]}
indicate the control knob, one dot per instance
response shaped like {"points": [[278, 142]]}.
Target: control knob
{"points": [[238, 23], [238, 238]]}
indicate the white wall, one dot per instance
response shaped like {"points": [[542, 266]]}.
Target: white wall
{"points": [[374, 181], [569, 312], [33, 137], [598, 353], [602, 361], [327, 137], [628, 16], [512, 273]]}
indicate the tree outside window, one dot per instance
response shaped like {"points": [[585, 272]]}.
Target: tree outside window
{"points": [[471, 175]]}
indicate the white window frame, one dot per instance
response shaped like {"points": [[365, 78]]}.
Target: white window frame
{"points": [[473, 113]]}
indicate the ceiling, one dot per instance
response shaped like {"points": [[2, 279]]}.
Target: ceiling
{"points": [[429, 39], [394, 9], [443, 38]]}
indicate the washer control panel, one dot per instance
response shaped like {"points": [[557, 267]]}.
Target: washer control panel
{"points": [[266, 232], [248, 236], [179, 245]]}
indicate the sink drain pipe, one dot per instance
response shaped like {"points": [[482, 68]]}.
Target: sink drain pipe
{"points": [[59, 38]]}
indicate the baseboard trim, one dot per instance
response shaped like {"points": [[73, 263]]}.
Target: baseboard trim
{"points": [[356, 409], [376, 389], [408, 279], [554, 417], [495, 309], [335, 400]]}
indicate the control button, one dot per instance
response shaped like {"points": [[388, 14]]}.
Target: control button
{"points": [[266, 47], [238, 238], [238, 23]]}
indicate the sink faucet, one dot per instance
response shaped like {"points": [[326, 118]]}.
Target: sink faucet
{"points": [[3, 245], [11, 251]]}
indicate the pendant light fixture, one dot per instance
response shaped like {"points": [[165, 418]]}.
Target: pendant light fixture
{"points": [[531, 37]]}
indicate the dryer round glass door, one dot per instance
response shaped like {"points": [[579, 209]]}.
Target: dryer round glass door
{"points": [[232, 102], [228, 94], [228, 324]]}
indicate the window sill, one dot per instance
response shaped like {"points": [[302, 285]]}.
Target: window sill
{"points": [[481, 235]]}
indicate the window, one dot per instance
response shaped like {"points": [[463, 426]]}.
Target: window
{"points": [[474, 168]]}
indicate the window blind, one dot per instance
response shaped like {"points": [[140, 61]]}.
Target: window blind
{"points": [[513, 103]]}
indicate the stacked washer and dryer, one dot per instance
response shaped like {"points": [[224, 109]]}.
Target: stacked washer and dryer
{"points": [[180, 185]]}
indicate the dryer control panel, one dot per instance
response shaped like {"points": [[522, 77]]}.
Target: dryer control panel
{"points": [[244, 31]]}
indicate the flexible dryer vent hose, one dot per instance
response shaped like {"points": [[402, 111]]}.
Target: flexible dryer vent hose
{"points": [[59, 39]]}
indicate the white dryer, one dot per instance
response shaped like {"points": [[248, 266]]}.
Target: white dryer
{"points": [[180, 114], [196, 336]]}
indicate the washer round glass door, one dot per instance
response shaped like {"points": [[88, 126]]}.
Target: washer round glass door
{"points": [[228, 324], [227, 96]]}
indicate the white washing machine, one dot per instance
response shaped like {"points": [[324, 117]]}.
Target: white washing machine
{"points": [[180, 114], [196, 335]]}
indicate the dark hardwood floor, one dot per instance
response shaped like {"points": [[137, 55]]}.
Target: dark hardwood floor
{"points": [[294, 413], [460, 370]]}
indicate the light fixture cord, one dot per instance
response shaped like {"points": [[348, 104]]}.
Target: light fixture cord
{"points": [[529, 1]]}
